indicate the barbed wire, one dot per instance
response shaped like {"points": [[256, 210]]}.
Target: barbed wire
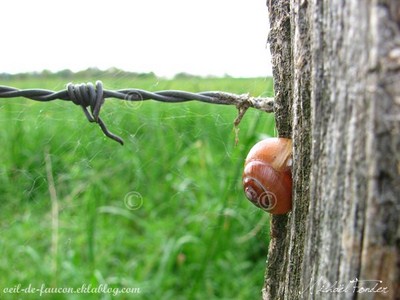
{"points": [[93, 96]]}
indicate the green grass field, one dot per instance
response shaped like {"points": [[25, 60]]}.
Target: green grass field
{"points": [[164, 213]]}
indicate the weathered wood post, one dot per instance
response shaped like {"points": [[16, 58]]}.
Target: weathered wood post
{"points": [[336, 66]]}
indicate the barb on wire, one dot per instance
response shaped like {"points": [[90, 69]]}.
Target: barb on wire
{"points": [[87, 95]]}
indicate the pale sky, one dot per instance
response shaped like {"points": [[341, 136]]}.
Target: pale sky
{"points": [[201, 37]]}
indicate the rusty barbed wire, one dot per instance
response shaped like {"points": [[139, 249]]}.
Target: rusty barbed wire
{"points": [[93, 96]]}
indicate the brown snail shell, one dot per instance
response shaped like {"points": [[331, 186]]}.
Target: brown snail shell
{"points": [[267, 177]]}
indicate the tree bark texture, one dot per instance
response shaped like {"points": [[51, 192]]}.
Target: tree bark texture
{"points": [[336, 67]]}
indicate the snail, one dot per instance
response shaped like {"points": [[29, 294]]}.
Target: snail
{"points": [[267, 176]]}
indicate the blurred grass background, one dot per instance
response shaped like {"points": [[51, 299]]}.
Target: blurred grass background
{"points": [[193, 236]]}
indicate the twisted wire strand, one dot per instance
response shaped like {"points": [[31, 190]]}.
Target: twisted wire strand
{"points": [[92, 96]]}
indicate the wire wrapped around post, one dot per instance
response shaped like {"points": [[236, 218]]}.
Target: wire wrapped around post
{"points": [[93, 96]]}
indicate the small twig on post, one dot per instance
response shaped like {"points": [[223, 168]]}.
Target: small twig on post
{"points": [[87, 95], [242, 108]]}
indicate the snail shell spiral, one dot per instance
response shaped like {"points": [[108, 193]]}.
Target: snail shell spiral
{"points": [[267, 179]]}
